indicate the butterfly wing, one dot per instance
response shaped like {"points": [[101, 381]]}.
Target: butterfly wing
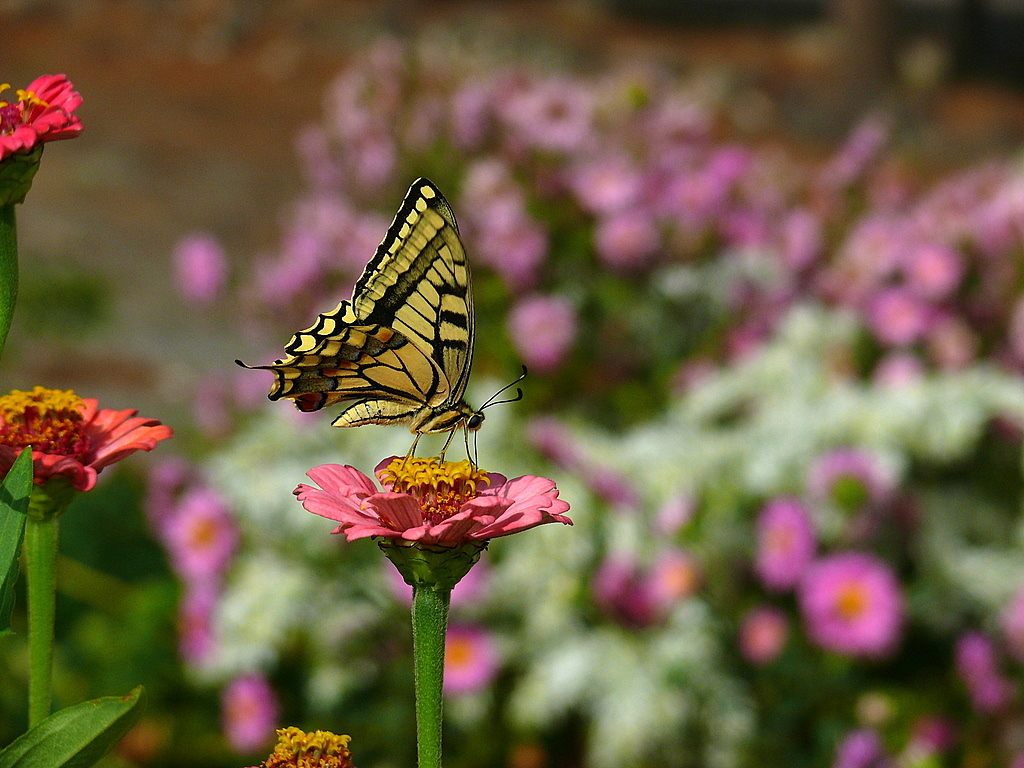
{"points": [[402, 348], [418, 283]]}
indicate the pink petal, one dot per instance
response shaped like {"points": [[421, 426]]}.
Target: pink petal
{"points": [[342, 480]]}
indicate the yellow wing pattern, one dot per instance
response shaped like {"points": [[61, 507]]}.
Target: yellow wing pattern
{"points": [[402, 348]]}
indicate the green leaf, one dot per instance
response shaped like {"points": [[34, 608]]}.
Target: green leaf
{"points": [[14, 496], [77, 736]]}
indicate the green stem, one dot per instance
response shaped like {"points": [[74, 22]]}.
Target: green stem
{"points": [[41, 557], [8, 270], [429, 625]]}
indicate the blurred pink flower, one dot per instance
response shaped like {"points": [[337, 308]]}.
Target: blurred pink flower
{"points": [[952, 343], [899, 369], [852, 604], [249, 713], [516, 250], [196, 639], [1012, 624], [897, 317], [551, 114], [471, 660], [200, 267], [429, 501], [200, 535], [626, 239], [640, 596], [471, 113], [42, 112], [861, 748], [543, 329], [70, 436], [786, 542], [606, 183], [978, 667], [763, 634], [933, 270], [803, 239], [851, 478]]}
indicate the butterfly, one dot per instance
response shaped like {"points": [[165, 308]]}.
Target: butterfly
{"points": [[400, 351]]}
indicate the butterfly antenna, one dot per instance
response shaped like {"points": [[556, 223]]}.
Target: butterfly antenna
{"points": [[519, 392]]}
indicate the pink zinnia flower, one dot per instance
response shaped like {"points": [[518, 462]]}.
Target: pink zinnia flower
{"points": [[899, 318], [200, 535], [250, 712], [933, 270], [543, 329], [196, 639], [69, 435], [42, 112], [430, 501], [200, 267], [860, 749], [471, 660], [786, 542], [627, 239], [763, 634], [852, 604]]}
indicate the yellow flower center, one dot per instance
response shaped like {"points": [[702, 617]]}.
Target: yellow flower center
{"points": [[12, 113], [440, 487], [318, 749], [50, 420], [851, 601]]}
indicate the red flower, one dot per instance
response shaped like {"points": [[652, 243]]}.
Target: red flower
{"points": [[430, 501], [69, 435], [42, 112]]}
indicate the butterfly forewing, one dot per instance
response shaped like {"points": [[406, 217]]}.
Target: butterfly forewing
{"points": [[402, 348]]}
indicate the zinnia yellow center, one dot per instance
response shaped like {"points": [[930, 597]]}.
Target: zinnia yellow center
{"points": [[851, 601], [11, 113], [318, 749], [50, 420], [440, 487]]}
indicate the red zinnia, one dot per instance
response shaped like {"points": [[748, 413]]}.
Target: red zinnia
{"points": [[42, 112], [69, 435]]}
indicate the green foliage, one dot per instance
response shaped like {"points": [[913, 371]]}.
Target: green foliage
{"points": [[14, 497]]}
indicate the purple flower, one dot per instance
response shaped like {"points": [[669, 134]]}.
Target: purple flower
{"points": [[933, 270], [861, 748], [200, 267], [627, 239], [786, 542], [543, 329], [471, 660], [249, 712], [852, 604], [1012, 622], [763, 634], [200, 535], [803, 239], [978, 667], [898, 317], [851, 478], [606, 184], [552, 114]]}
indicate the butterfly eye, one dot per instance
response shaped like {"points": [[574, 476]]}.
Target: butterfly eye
{"points": [[474, 421]]}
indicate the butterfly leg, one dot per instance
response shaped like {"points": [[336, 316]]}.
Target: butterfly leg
{"points": [[446, 444], [412, 449]]}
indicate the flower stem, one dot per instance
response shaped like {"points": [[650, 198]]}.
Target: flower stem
{"points": [[41, 557], [8, 269], [429, 625]]}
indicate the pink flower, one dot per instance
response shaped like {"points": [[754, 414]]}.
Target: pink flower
{"points": [[1012, 623], [554, 114], [200, 267], [849, 477], [627, 239], [471, 660], [933, 270], [606, 184], [639, 596], [195, 622], [200, 536], [978, 667], [860, 749], [852, 604], [898, 318], [42, 112], [786, 542], [430, 501], [249, 712], [543, 329], [69, 435], [763, 634]]}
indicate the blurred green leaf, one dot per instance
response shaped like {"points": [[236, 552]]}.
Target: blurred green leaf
{"points": [[77, 736], [14, 494]]}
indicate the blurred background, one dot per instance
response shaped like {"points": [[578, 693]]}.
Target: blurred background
{"points": [[764, 261]]}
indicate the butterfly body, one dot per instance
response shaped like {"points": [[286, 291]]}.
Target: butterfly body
{"points": [[400, 351]]}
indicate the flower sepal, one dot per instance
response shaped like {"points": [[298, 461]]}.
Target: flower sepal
{"points": [[16, 174], [431, 566], [51, 499]]}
